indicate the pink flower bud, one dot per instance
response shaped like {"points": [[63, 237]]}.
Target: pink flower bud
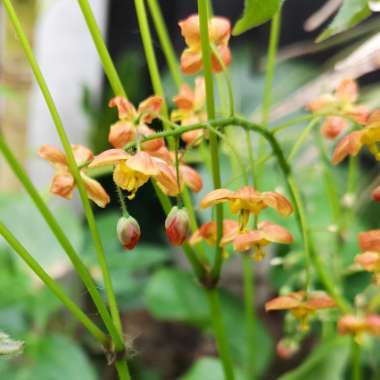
{"points": [[177, 225], [128, 232]]}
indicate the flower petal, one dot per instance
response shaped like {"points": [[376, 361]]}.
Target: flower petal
{"points": [[151, 145], [290, 301], [278, 202], [95, 191], [190, 30], [319, 300], [224, 55], [369, 240], [185, 98], [109, 157], [191, 178], [347, 91], [121, 133], [216, 196], [191, 61], [275, 233], [149, 108], [167, 178], [53, 155], [125, 108], [349, 145], [369, 260], [219, 30], [82, 154], [333, 126], [142, 162], [62, 185], [245, 241]]}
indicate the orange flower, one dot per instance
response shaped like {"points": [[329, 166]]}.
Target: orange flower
{"points": [[353, 142], [132, 123], [333, 126], [265, 234], [219, 29], [131, 172], [248, 199], [301, 304], [369, 259], [359, 325], [208, 231], [63, 181], [191, 109]]}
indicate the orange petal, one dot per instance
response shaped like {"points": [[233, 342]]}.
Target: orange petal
{"points": [[219, 30], [167, 178], [191, 61], [121, 133], [95, 191], [360, 114], [347, 91], [149, 108], [163, 153], [376, 194], [206, 232], [216, 196], [82, 154], [230, 231], [369, 240], [199, 93], [351, 324], [374, 118], [373, 324], [185, 98], [53, 155], [245, 241], [275, 233], [142, 162], [125, 108], [224, 55], [109, 157], [349, 145], [290, 301], [151, 145], [192, 136], [320, 103], [278, 202], [319, 300], [191, 178], [333, 127], [190, 30], [62, 185], [369, 260]]}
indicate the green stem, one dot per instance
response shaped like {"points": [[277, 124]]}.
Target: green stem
{"points": [[51, 221], [166, 44], [109, 67], [122, 370], [220, 336], [214, 149], [53, 286], [122, 202], [355, 357], [250, 324], [71, 163]]}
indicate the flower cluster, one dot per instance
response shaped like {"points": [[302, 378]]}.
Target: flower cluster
{"points": [[359, 325], [246, 202], [342, 106]]}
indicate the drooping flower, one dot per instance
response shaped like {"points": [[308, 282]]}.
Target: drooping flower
{"points": [[341, 102], [359, 325], [128, 232], [248, 199], [132, 123], [191, 109], [265, 234], [177, 225], [131, 171], [301, 304], [219, 34], [369, 258], [63, 182], [353, 142]]}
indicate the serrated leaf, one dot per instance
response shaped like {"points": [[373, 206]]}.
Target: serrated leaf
{"points": [[350, 13], [256, 12], [9, 346]]}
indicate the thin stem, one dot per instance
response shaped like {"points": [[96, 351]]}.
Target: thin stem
{"points": [[220, 336], [122, 370], [166, 44], [109, 67], [250, 324], [250, 156], [355, 357], [51, 221], [214, 149], [53, 286], [71, 163], [270, 66]]}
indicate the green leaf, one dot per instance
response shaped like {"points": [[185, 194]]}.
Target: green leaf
{"points": [[208, 368], [51, 358], [9, 346], [256, 12], [327, 362], [350, 13]]}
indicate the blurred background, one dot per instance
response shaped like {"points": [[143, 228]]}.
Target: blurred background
{"points": [[167, 330]]}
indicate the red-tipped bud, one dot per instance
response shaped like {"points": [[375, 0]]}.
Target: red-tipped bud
{"points": [[287, 348], [376, 194], [128, 232], [177, 225]]}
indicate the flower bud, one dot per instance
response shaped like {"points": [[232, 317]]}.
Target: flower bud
{"points": [[128, 232], [376, 194], [177, 225], [287, 348]]}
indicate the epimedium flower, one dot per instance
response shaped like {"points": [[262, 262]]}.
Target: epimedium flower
{"points": [[128, 232], [351, 144], [132, 124], [63, 182], [341, 102], [359, 325], [369, 258], [131, 171], [219, 34], [248, 200], [301, 305], [265, 234], [177, 225], [191, 109]]}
